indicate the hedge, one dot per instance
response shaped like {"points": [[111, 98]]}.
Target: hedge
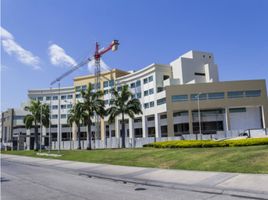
{"points": [[208, 143]]}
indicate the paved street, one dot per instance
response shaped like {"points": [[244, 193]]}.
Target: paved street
{"points": [[26, 182]]}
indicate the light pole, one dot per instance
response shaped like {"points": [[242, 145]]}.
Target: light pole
{"points": [[59, 129], [41, 125], [199, 115], [50, 122]]}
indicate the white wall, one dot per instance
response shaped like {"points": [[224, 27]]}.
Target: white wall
{"points": [[246, 120]]}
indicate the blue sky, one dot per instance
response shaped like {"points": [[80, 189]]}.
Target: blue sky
{"points": [[41, 39]]}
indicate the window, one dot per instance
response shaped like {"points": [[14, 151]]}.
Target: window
{"points": [[164, 130], [181, 113], [111, 83], [165, 77], [48, 98], [63, 97], [194, 97], [78, 88], [146, 93], [138, 83], [105, 84], [63, 116], [106, 92], [199, 74], [63, 106], [149, 119], [40, 98], [69, 106], [163, 116], [78, 96], [253, 93], [84, 87], [152, 104], [146, 105], [69, 96], [54, 107], [145, 80], [235, 94], [151, 131], [161, 101], [216, 95], [160, 89], [55, 98], [54, 116], [151, 78], [137, 120], [106, 102], [151, 91], [138, 95], [236, 110], [132, 85], [176, 98], [119, 88]]}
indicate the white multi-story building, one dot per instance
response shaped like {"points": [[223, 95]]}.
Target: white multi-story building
{"points": [[172, 97]]}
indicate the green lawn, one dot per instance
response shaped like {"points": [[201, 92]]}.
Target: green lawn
{"points": [[251, 159]]}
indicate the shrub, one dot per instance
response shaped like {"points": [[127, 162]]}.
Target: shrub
{"points": [[208, 143]]}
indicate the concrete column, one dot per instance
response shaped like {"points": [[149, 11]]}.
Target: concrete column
{"points": [[144, 127], [156, 121], [263, 117], [102, 129], [190, 119], [117, 128], [170, 123], [28, 138], [74, 131], [131, 128], [227, 119]]}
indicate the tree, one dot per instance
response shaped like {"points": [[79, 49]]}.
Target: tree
{"points": [[122, 103], [76, 115], [32, 119], [92, 104]]}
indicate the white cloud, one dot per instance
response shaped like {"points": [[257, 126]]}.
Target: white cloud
{"points": [[59, 57], [11, 47]]}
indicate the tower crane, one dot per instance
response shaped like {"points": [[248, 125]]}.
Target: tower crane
{"points": [[97, 56]]}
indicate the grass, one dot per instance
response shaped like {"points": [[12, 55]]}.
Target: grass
{"points": [[249, 159]]}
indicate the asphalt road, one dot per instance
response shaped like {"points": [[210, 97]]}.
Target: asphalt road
{"points": [[26, 182]]}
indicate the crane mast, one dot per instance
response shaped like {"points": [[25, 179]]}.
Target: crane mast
{"points": [[97, 56]]}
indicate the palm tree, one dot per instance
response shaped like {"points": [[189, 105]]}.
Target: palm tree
{"points": [[92, 104], [76, 115], [122, 104], [32, 119]]}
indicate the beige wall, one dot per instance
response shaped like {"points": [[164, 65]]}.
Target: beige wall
{"points": [[218, 103], [85, 80]]}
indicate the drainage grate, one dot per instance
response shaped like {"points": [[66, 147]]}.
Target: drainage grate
{"points": [[140, 189]]}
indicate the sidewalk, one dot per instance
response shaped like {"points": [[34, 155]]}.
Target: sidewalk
{"points": [[235, 184]]}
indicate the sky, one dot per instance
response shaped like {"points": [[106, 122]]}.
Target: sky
{"points": [[41, 39]]}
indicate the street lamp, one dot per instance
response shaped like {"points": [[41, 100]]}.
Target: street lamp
{"points": [[199, 115]]}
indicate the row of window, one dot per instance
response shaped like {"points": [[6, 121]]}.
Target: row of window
{"points": [[148, 79], [63, 97], [62, 116], [217, 95], [148, 92], [149, 105], [55, 107]]}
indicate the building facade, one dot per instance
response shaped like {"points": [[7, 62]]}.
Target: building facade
{"points": [[176, 98]]}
